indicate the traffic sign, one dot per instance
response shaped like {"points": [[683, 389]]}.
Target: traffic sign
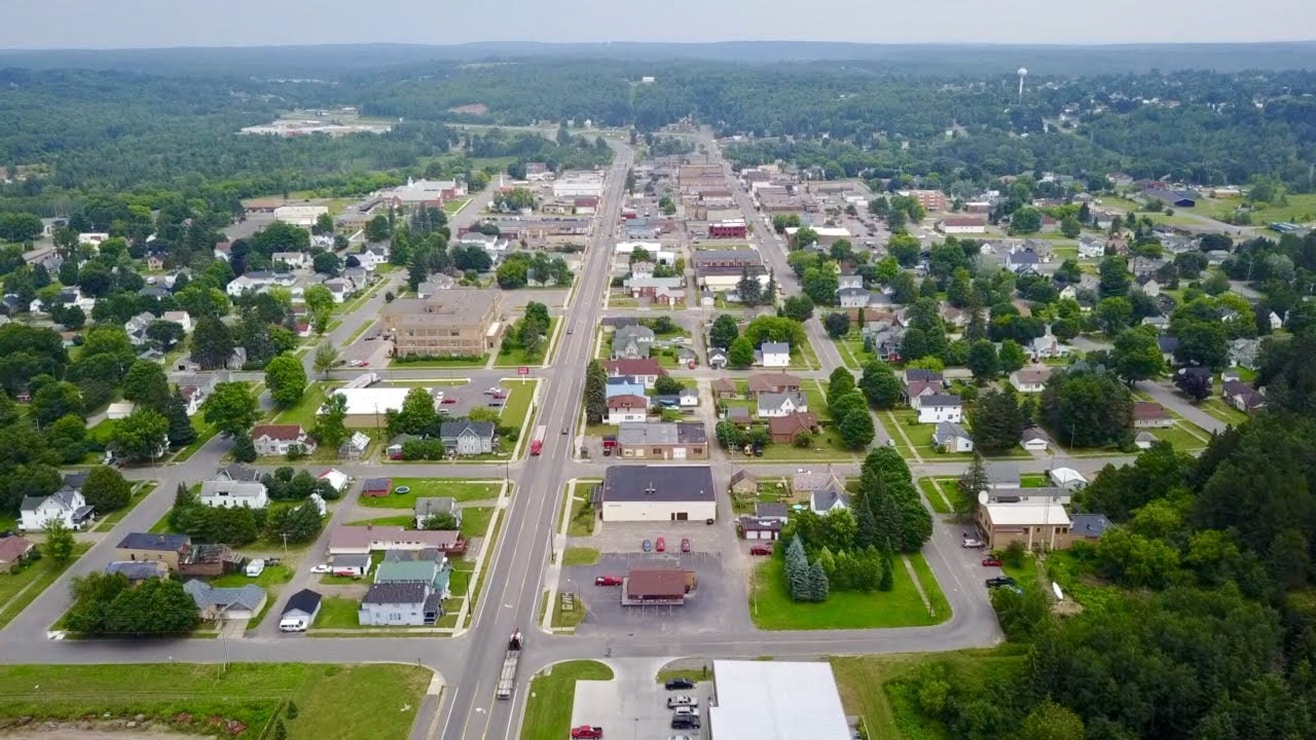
{"points": [[523, 370]]}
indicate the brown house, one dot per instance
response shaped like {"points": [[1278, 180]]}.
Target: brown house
{"points": [[145, 546], [744, 483], [209, 561], [784, 429], [1149, 415], [656, 586], [773, 383], [724, 388], [13, 550]]}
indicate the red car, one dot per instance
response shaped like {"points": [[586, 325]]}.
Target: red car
{"points": [[760, 550], [660, 545], [586, 732], [992, 562], [607, 580], [450, 400], [685, 544]]}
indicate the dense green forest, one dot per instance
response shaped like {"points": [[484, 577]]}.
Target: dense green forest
{"points": [[1198, 616], [75, 133]]}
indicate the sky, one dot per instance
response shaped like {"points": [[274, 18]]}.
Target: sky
{"points": [[103, 24]]}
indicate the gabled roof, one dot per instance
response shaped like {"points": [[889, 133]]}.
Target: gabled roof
{"points": [[432, 505], [792, 424], [1149, 411], [777, 400], [940, 400], [824, 500], [234, 489], [455, 429], [154, 542], [947, 431], [772, 382], [250, 596], [13, 547], [1089, 525], [306, 600], [395, 593], [281, 432], [647, 366]]}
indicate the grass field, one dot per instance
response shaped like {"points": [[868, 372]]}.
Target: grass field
{"points": [[337, 612], [517, 357], [401, 520], [17, 590], [771, 607], [582, 515], [475, 521], [516, 407], [461, 490], [305, 410], [1222, 411], [549, 704], [580, 556], [568, 619], [942, 501], [253, 694], [273, 575]]}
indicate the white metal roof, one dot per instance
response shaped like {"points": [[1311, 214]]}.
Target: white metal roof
{"points": [[372, 400], [1027, 514], [775, 700]]}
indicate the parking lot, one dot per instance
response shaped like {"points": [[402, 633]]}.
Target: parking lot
{"points": [[706, 609], [633, 705]]}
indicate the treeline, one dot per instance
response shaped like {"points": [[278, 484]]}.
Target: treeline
{"points": [[1205, 627]]}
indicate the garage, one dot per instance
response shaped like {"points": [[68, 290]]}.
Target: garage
{"points": [[650, 493]]}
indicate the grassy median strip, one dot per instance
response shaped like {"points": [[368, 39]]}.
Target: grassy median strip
{"points": [[549, 703], [186, 697]]}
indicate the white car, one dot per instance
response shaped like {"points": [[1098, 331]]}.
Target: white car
{"points": [[970, 542], [685, 712], [255, 568], [321, 568], [681, 701]]}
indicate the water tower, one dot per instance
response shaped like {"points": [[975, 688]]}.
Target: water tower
{"points": [[1022, 74]]}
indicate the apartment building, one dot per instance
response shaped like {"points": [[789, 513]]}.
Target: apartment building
{"points": [[462, 322]]}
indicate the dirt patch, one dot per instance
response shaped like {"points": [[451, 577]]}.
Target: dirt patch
{"points": [[473, 109], [76, 731]]}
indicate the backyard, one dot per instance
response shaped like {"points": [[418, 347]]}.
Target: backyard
{"points": [[252, 694], [304, 411], [771, 606], [460, 490], [552, 695]]}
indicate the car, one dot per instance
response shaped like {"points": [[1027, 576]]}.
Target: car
{"points": [[372, 337], [348, 574], [680, 737], [321, 568], [450, 400], [685, 711], [686, 723], [570, 329], [566, 430], [365, 364], [992, 562], [354, 363], [681, 701], [760, 550], [998, 581], [971, 542], [647, 546], [685, 544], [679, 683], [490, 391], [660, 545], [495, 404], [607, 580], [255, 568], [586, 732]]}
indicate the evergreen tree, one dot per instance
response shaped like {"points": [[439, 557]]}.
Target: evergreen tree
{"points": [[181, 433], [818, 584], [887, 579], [596, 392], [244, 449], [973, 482]]}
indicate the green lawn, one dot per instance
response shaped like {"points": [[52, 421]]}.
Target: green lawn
{"points": [[771, 607], [253, 694], [582, 515], [101, 433], [517, 357], [580, 556], [569, 619], [461, 490], [441, 362], [1181, 438], [305, 410], [1222, 411], [516, 407], [273, 575], [107, 523], [938, 502], [551, 696], [337, 612], [19, 589], [402, 520], [451, 207], [475, 521], [851, 349]]}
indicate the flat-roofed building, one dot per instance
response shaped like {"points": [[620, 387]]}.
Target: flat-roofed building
{"points": [[453, 323], [776, 700], [655, 493]]}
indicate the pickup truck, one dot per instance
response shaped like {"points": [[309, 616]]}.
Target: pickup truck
{"points": [[586, 732]]}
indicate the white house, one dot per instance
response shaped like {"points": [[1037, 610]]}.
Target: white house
{"points": [[1034, 440], [66, 505], [1091, 248], [232, 494], [771, 405], [1030, 380], [278, 439], [294, 260], [938, 407], [951, 437], [337, 478], [182, 318], [774, 354]]}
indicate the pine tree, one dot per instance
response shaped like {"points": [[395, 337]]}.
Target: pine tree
{"points": [[797, 570], [818, 585], [887, 581], [973, 482], [181, 433], [596, 392], [292, 710], [280, 732], [244, 449], [770, 292]]}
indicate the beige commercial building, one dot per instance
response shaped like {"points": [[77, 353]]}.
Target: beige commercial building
{"points": [[450, 323]]}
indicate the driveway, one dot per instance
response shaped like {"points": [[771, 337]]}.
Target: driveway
{"points": [[633, 704]]}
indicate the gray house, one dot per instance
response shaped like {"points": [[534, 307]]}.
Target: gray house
{"points": [[399, 605], [632, 342], [464, 438], [428, 507]]}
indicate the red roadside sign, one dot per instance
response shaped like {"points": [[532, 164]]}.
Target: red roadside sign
{"points": [[523, 370]]}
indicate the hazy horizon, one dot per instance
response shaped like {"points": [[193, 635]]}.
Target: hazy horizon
{"points": [[163, 24]]}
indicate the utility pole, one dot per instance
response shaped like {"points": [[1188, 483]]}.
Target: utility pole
{"points": [[284, 535]]}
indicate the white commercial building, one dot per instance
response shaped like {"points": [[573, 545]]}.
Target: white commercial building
{"points": [[232, 494], [657, 493], [303, 216], [578, 185], [371, 401], [775, 700]]}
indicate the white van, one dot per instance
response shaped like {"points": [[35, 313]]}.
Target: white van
{"points": [[255, 568], [292, 624]]}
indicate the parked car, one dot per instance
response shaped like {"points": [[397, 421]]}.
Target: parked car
{"points": [[607, 580], [255, 568], [450, 400], [490, 391], [586, 732], [348, 574], [660, 545], [998, 581], [495, 404], [681, 701], [992, 562], [760, 550], [971, 542], [647, 546], [321, 568], [685, 544], [679, 684], [689, 722], [685, 711], [680, 737]]}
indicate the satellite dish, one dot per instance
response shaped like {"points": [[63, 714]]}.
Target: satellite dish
{"points": [[982, 498]]}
